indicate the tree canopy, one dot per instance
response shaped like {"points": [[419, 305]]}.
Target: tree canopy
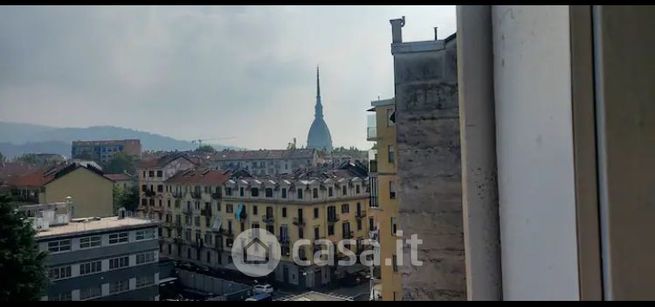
{"points": [[23, 276], [120, 163], [206, 148]]}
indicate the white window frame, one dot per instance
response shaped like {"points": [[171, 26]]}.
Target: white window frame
{"points": [[90, 242], [145, 234], [58, 249], [119, 237]]}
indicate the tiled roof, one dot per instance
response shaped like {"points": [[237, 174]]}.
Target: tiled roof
{"points": [[118, 177], [9, 170], [163, 160], [265, 154], [343, 172], [41, 177], [200, 176]]}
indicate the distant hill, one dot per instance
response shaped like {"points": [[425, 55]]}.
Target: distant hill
{"points": [[18, 138]]}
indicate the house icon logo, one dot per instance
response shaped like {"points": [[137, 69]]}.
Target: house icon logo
{"points": [[256, 252]]}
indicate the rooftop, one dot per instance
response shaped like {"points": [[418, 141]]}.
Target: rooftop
{"points": [[265, 154], [200, 176], [94, 225], [43, 176], [118, 177], [163, 160]]}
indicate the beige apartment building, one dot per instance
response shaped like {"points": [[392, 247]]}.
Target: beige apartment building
{"points": [[152, 175], [204, 210], [89, 189], [384, 205]]}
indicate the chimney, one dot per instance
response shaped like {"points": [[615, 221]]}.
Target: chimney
{"points": [[436, 37], [396, 29]]}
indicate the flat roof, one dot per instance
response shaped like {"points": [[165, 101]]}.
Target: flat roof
{"points": [[382, 102], [101, 225], [317, 296]]}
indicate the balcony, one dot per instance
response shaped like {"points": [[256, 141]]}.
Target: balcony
{"points": [[149, 193], [187, 210], [360, 214], [373, 166], [348, 235], [371, 129], [178, 194], [216, 196], [196, 194], [268, 219], [298, 221], [333, 218]]}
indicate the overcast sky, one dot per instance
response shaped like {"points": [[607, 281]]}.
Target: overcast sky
{"points": [[205, 72]]}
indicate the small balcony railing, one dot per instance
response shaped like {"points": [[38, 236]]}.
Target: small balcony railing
{"points": [[216, 195], [299, 221], [360, 214], [150, 193], [196, 194], [268, 219], [333, 218]]}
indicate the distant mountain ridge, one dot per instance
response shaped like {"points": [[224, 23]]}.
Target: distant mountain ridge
{"points": [[19, 138]]}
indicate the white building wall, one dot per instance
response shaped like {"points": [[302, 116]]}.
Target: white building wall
{"points": [[535, 152]]}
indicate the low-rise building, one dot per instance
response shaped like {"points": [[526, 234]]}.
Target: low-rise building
{"points": [[112, 258], [123, 181], [89, 188], [104, 150], [152, 175]]}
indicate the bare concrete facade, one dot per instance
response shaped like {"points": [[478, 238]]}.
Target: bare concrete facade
{"points": [[429, 171]]}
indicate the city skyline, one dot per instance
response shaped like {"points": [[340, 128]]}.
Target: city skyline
{"points": [[204, 72]]}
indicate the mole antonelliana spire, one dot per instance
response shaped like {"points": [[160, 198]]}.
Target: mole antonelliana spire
{"points": [[319, 135]]}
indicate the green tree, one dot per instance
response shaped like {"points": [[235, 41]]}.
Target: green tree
{"points": [[120, 163], [206, 148], [129, 199], [23, 276]]}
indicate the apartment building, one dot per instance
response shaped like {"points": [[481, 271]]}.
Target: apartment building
{"points": [[152, 175], [266, 161], [209, 208], [103, 150], [89, 188], [384, 203], [112, 258]]}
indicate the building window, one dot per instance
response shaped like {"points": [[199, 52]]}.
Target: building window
{"points": [[119, 286], [301, 233], [145, 234], [330, 192], [228, 208], [209, 257], [159, 174], [284, 193], [196, 221], [254, 210], [59, 272], [315, 193], [315, 213], [89, 293], [284, 211], [146, 257], [255, 225], [151, 173], [144, 202], [90, 267], [59, 246], [392, 154], [88, 242], [228, 191], [116, 238], [269, 192], [254, 192], [392, 190], [345, 208], [63, 296], [144, 188], [359, 224], [393, 226], [241, 191], [144, 281], [394, 263], [357, 189], [316, 233], [330, 230], [160, 188], [119, 262], [343, 190], [371, 224], [299, 194], [390, 122]]}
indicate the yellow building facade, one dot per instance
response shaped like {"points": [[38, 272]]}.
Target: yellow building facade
{"points": [[91, 192], [203, 211], [383, 198]]}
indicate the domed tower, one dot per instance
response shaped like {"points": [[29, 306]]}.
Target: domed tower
{"points": [[319, 135]]}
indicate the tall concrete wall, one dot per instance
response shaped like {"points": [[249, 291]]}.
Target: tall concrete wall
{"points": [[429, 172]]}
